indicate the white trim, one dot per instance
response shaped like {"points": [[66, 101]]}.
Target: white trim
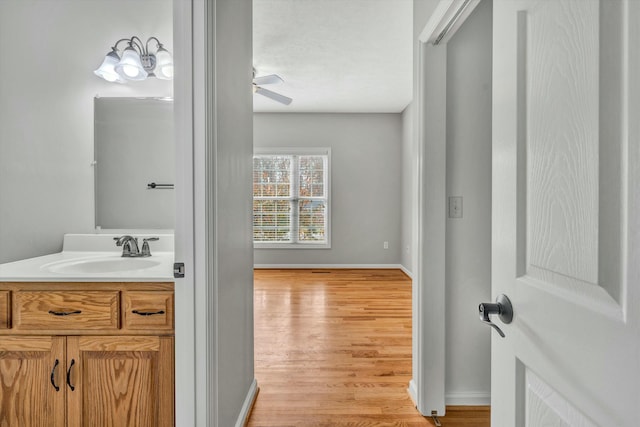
{"points": [[448, 13], [464, 398], [206, 398], [302, 151], [245, 411], [334, 266], [430, 295], [294, 246], [406, 271], [413, 392], [429, 292], [468, 398], [186, 397]]}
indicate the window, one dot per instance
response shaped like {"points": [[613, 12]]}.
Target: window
{"points": [[291, 198]]}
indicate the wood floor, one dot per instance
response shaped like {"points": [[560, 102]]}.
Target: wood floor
{"points": [[333, 348]]}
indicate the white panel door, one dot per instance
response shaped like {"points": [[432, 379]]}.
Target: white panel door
{"points": [[566, 212]]}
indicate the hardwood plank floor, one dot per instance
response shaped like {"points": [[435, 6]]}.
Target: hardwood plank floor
{"points": [[333, 348]]}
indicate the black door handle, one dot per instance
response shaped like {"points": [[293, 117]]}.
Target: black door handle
{"points": [[502, 307]]}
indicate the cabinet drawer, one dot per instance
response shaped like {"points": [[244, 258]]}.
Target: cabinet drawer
{"points": [[148, 310], [4, 310], [66, 310]]}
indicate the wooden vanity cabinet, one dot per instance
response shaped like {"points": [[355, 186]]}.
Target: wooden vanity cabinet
{"points": [[68, 371], [120, 381], [32, 391], [4, 309]]}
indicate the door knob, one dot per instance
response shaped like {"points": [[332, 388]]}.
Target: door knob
{"points": [[502, 307]]}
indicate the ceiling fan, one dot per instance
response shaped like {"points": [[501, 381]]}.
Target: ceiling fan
{"points": [[267, 80]]}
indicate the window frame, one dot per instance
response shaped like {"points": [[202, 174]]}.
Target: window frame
{"points": [[299, 151]]}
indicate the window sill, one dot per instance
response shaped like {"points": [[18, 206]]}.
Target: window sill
{"points": [[257, 245]]}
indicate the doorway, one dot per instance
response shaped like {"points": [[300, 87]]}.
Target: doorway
{"points": [[202, 302], [453, 120]]}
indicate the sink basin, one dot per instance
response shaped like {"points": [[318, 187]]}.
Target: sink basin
{"points": [[101, 265]]}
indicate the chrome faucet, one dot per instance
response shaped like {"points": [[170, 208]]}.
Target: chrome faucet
{"points": [[145, 245], [129, 246]]}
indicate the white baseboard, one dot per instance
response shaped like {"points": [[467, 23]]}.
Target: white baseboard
{"points": [[245, 411], [471, 398], [405, 271], [413, 392], [468, 398], [346, 266]]}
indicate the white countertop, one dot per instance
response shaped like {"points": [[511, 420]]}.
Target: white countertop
{"points": [[81, 248]]}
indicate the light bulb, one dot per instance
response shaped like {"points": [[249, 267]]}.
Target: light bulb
{"points": [[110, 78], [164, 64], [107, 71], [130, 70], [168, 72], [130, 67]]}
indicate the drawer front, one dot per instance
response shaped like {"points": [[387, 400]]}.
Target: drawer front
{"points": [[148, 310], [5, 313], [66, 310]]}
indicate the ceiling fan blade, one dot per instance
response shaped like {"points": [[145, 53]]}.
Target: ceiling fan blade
{"points": [[272, 95], [268, 80]]}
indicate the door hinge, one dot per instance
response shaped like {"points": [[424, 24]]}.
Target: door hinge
{"points": [[178, 270]]}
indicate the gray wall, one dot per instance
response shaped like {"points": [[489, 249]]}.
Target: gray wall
{"points": [[365, 183], [230, 221], [468, 252], [46, 110], [409, 184]]}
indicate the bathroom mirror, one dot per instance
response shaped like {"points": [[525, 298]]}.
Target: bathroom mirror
{"points": [[134, 163]]}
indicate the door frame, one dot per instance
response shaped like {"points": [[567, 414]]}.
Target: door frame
{"points": [[201, 140], [427, 387], [191, 334]]}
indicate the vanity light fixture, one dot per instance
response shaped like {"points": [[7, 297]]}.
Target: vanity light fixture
{"points": [[137, 62]]}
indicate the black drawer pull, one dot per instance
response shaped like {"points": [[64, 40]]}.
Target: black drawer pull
{"points": [[53, 375], [147, 313], [64, 313]]}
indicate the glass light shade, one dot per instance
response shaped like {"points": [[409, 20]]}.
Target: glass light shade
{"points": [[130, 67], [107, 71], [164, 64]]}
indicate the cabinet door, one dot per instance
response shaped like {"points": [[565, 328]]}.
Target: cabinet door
{"points": [[32, 391], [120, 381]]}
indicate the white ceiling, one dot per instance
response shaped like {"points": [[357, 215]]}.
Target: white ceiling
{"points": [[335, 55]]}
